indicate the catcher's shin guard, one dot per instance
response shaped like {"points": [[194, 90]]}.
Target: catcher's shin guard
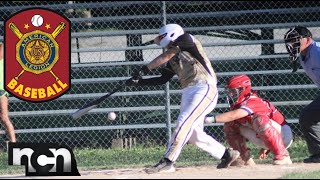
{"points": [[271, 137], [236, 140]]}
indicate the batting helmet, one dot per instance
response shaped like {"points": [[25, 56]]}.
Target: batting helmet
{"points": [[292, 40], [238, 89], [169, 33]]}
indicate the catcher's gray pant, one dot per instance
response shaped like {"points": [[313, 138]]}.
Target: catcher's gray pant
{"points": [[197, 101], [284, 130], [309, 121]]}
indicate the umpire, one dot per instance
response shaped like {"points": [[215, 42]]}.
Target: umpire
{"points": [[301, 47]]}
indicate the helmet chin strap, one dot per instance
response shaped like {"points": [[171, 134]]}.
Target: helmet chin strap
{"points": [[294, 62], [229, 101], [294, 66], [294, 55]]}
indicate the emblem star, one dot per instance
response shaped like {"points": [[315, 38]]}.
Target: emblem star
{"points": [[26, 26], [48, 26]]}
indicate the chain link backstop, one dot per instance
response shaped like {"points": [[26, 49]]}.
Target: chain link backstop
{"points": [[239, 37]]}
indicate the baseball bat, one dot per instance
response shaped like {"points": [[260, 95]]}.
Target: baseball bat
{"points": [[15, 30], [93, 104], [58, 29], [147, 43]]}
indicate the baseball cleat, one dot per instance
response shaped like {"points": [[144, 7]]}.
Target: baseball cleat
{"points": [[285, 161], [225, 163], [164, 166], [312, 159]]}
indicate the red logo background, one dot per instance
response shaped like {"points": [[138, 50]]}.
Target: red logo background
{"points": [[61, 69]]}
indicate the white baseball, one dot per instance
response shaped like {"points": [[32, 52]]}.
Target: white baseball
{"points": [[37, 20], [112, 116]]}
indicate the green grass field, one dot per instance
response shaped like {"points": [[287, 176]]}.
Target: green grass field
{"points": [[94, 159], [306, 175]]}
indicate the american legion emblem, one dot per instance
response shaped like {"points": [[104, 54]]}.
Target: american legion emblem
{"points": [[37, 55]]}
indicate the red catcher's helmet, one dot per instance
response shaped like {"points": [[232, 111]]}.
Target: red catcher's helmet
{"points": [[238, 88]]}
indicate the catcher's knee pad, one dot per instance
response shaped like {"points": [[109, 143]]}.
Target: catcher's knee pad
{"points": [[260, 122], [234, 138], [270, 136], [231, 128]]}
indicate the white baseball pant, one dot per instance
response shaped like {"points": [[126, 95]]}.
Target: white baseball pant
{"points": [[196, 102]]}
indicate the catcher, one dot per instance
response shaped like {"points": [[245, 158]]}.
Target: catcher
{"points": [[255, 119]]}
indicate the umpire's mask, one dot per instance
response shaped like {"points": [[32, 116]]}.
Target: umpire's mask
{"points": [[292, 40]]}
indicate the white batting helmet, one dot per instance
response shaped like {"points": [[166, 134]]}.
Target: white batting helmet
{"points": [[169, 33]]}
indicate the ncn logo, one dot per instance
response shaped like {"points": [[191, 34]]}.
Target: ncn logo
{"points": [[43, 159]]}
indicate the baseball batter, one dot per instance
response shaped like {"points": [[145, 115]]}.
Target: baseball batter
{"points": [[255, 119], [186, 58]]}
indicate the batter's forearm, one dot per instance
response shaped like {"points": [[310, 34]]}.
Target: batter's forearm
{"points": [[162, 59], [153, 81], [158, 61]]}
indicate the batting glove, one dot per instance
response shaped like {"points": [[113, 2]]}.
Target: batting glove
{"points": [[137, 76], [132, 82], [145, 69], [210, 119]]}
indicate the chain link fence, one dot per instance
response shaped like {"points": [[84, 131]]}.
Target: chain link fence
{"points": [[239, 37]]}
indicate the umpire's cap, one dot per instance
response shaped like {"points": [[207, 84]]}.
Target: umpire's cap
{"points": [[298, 31]]}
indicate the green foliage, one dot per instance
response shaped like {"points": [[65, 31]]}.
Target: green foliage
{"points": [[6, 169], [136, 157], [298, 150], [305, 175]]}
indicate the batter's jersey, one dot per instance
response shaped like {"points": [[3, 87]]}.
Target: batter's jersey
{"points": [[191, 63], [255, 105]]}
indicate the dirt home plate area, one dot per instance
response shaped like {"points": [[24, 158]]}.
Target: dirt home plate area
{"points": [[260, 171]]}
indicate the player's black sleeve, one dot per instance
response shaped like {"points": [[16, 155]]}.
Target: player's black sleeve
{"points": [[166, 75], [185, 43]]}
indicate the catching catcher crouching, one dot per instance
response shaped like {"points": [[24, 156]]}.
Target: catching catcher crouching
{"points": [[255, 119]]}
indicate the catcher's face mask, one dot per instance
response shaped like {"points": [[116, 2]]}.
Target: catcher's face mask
{"points": [[292, 41], [233, 95]]}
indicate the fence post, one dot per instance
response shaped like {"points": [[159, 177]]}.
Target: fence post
{"points": [[167, 88], [267, 49]]}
